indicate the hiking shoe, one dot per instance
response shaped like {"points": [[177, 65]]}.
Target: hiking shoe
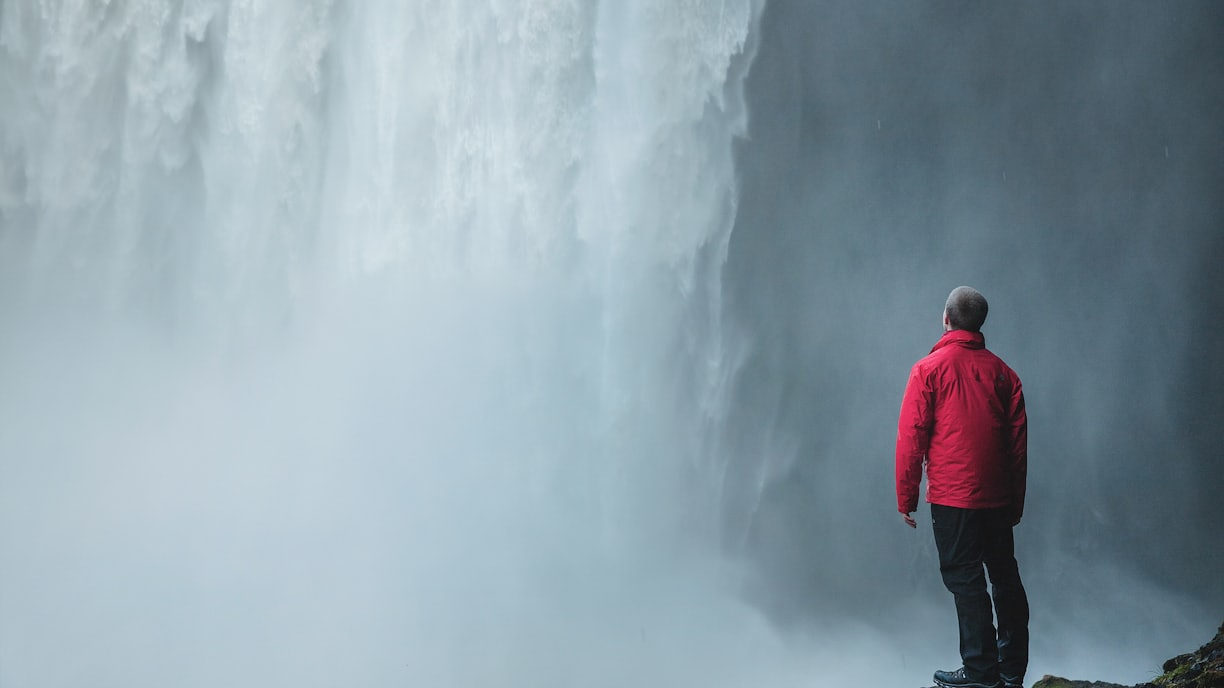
{"points": [[957, 679], [1011, 681]]}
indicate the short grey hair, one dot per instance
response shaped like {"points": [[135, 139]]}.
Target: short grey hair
{"points": [[966, 309]]}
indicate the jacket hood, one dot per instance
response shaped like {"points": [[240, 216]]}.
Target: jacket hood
{"points": [[965, 338]]}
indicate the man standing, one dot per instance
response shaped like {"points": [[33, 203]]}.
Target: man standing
{"points": [[962, 417]]}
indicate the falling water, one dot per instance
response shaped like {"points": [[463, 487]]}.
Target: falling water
{"points": [[367, 343]]}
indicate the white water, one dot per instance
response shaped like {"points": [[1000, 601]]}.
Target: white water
{"points": [[369, 344]]}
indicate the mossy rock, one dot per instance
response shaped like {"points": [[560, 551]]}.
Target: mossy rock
{"points": [[1187, 676]]}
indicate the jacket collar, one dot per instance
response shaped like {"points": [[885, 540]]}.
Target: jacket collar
{"points": [[965, 338]]}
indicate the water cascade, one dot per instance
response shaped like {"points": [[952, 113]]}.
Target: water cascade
{"points": [[367, 343]]}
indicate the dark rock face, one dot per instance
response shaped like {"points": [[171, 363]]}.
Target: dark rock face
{"points": [[1203, 668]]}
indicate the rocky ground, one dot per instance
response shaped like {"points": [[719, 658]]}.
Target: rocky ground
{"points": [[1203, 668]]}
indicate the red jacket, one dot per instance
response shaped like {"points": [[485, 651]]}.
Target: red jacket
{"points": [[963, 418]]}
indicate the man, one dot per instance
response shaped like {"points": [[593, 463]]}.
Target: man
{"points": [[962, 417]]}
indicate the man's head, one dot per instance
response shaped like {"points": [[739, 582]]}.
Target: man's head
{"points": [[965, 310]]}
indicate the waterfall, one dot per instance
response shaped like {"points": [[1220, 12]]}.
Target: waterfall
{"points": [[368, 343]]}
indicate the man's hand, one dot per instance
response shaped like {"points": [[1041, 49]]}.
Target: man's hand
{"points": [[909, 520]]}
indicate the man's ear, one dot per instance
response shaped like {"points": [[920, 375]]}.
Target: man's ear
{"points": [[946, 323]]}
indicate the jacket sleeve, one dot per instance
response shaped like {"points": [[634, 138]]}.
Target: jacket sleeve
{"points": [[1017, 448], [913, 438]]}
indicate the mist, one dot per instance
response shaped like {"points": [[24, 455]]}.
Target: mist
{"points": [[560, 343]]}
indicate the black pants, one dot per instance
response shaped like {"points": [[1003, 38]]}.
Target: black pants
{"points": [[967, 539]]}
